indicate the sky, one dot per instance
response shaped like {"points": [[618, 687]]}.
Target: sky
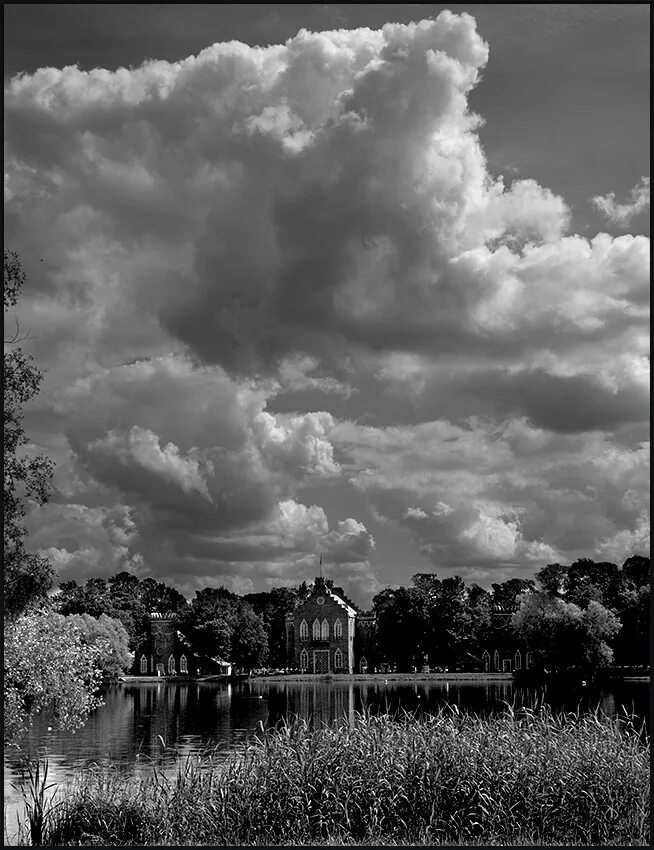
{"points": [[370, 281]]}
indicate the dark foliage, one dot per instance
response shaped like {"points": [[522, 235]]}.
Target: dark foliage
{"points": [[27, 477]]}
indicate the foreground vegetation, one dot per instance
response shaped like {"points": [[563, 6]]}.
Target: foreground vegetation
{"points": [[450, 778]]}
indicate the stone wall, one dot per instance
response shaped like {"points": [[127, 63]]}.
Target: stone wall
{"points": [[163, 642]]}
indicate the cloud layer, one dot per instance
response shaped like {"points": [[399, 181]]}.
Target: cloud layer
{"points": [[313, 227]]}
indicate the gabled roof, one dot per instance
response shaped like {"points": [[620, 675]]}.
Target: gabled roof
{"points": [[467, 658], [341, 593], [351, 611]]}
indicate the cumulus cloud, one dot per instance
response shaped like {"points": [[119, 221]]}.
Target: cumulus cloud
{"points": [[140, 448], [319, 191], [487, 495], [204, 473], [250, 253], [83, 540], [622, 214]]}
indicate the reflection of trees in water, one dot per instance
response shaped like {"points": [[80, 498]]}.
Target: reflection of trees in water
{"points": [[190, 717], [154, 718], [106, 736]]}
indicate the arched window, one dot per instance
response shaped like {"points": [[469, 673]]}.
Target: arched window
{"points": [[529, 660], [496, 660], [485, 658], [304, 630], [324, 630], [338, 630], [144, 664], [518, 660], [183, 665], [363, 665], [171, 663], [316, 629], [304, 660], [338, 659]]}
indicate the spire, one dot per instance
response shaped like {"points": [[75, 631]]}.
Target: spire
{"points": [[321, 565]]}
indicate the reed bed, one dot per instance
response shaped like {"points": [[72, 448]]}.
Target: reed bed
{"points": [[528, 777]]}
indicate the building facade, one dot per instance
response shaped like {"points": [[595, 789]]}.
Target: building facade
{"points": [[501, 651], [328, 634], [167, 652]]}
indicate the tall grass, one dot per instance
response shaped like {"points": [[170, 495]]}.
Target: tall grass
{"points": [[37, 801], [449, 778]]}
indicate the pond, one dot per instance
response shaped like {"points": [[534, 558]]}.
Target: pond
{"points": [[142, 721]]}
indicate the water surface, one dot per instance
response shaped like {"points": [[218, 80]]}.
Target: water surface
{"points": [[140, 722]]}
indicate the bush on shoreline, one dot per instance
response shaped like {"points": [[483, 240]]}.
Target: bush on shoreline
{"points": [[448, 778]]}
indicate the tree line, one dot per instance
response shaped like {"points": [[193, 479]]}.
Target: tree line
{"points": [[559, 614], [587, 614]]}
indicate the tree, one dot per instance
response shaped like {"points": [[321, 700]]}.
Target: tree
{"points": [[109, 637], [272, 606], [249, 639], [563, 637], [27, 477], [479, 603], [552, 579], [589, 580], [402, 626], [506, 593], [209, 621], [450, 619], [124, 597], [599, 625], [637, 569], [158, 596], [630, 601], [47, 665]]}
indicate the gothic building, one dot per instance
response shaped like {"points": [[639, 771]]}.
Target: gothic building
{"points": [[166, 652], [327, 633], [502, 652]]}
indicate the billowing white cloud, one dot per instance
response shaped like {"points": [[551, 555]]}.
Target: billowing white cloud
{"points": [[140, 448], [237, 259], [622, 214], [314, 202]]}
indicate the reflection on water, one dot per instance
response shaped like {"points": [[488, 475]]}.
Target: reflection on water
{"points": [[139, 720]]}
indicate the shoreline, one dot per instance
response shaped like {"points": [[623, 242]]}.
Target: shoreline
{"points": [[330, 677], [385, 678]]}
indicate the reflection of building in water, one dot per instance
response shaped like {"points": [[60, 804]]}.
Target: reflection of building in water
{"points": [[607, 704], [156, 711], [323, 704], [343, 708]]}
